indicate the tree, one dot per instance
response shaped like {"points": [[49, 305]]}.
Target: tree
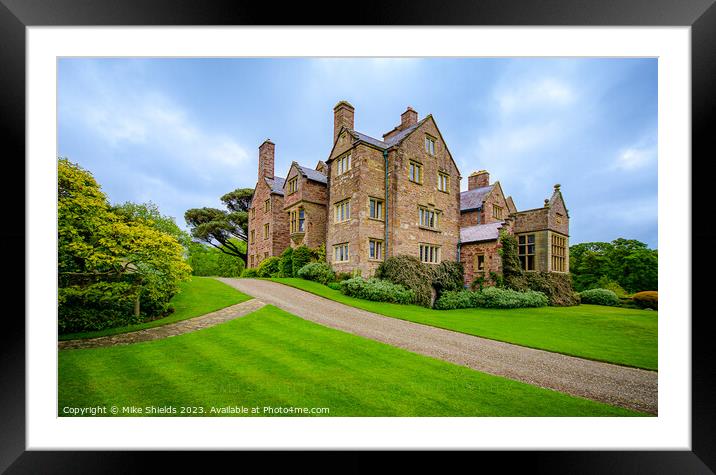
{"points": [[96, 244], [149, 214], [218, 227], [628, 262]]}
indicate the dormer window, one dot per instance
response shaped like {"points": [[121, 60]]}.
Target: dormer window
{"points": [[496, 212]]}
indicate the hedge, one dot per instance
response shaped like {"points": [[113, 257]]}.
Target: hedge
{"points": [[600, 297], [249, 273], [557, 287], [448, 276], [647, 299], [410, 273], [491, 297], [97, 306], [377, 290], [317, 271]]}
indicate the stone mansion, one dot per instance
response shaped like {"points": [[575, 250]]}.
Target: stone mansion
{"points": [[375, 198]]}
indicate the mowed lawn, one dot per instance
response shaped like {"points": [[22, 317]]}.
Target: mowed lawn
{"points": [[612, 334], [271, 358], [196, 297]]}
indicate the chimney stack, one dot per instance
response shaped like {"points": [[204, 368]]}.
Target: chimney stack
{"points": [[266, 159], [478, 180], [408, 118], [343, 114]]}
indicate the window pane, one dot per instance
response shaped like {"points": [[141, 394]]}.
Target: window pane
{"points": [[522, 239], [531, 238]]}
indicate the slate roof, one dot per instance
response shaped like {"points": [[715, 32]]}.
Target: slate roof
{"points": [[385, 144], [481, 232], [312, 174], [472, 199], [276, 184]]}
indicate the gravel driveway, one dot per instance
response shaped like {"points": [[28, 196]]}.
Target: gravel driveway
{"points": [[618, 385]]}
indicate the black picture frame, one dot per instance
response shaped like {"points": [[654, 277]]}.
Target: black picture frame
{"points": [[700, 15]]}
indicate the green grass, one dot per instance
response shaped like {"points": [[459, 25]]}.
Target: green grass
{"points": [[196, 297], [271, 358], [612, 334]]}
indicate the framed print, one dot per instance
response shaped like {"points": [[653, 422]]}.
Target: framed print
{"points": [[377, 232]]}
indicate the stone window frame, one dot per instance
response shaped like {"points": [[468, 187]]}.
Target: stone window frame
{"points": [[344, 164], [523, 251], [267, 230], [476, 263], [253, 212], [437, 215], [446, 176], [429, 253], [267, 205], [559, 253], [266, 256], [378, 247], [293, 185], [430, 145], [345, 256], [415, 165], [380, 203], [497, 211], [558, 218], [296, 222], [345, 206], [252, 237]]}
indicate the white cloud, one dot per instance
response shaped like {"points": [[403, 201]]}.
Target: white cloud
{"points": [[544, 92], [632, 158], [124, 116]]}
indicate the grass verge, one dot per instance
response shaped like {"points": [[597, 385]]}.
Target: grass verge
{"points": [[272, 359], [612, 334]]}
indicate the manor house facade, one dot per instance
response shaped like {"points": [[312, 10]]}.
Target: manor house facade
{"points": [[376, 198]]}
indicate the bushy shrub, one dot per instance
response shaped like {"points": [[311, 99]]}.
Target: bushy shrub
{"points": [[606, 283], [319, 253], [599, 297], [286, 265], [377, 290], [334, 285], [557, 287], [301, 256], [412, 274], [317, 271], [491, 297], [453, 299], [448, 276], [647, 299], [341, 276], [269, 267], [249, 273], [97, 306]]}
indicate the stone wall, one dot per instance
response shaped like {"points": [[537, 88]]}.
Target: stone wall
{"points": [[406, 196], [277, 240], [493, 261]]}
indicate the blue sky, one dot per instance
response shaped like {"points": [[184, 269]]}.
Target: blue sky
{"points": [[182, 132]]}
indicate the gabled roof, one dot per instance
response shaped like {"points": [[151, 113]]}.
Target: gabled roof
{"points": [[276, 184], [391, 142], [472, 199], [312, 174], [481, 232]]}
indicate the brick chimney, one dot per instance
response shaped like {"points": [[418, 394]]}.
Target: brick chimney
{"points": [[266, 159], [343, 114], [478, 180], [408, 118]]}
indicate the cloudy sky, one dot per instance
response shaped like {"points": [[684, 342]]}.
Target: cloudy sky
{"points": [[182, 132]]}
